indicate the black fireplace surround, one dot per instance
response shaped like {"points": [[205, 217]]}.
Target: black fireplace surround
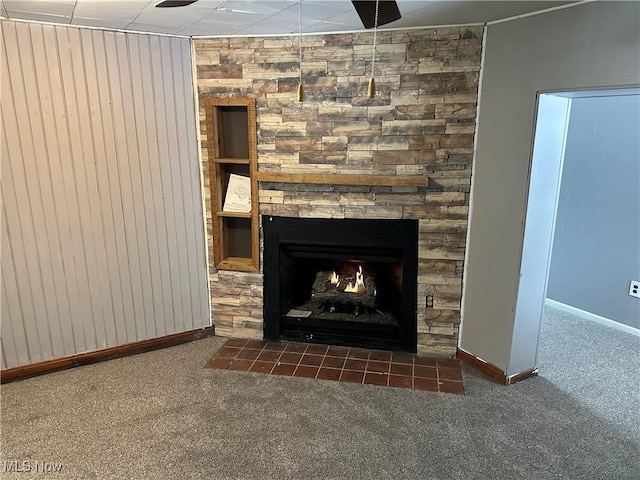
{"points": [[299, 251]]}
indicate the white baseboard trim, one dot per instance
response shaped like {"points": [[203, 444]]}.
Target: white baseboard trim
{"points": [[592, 317]]}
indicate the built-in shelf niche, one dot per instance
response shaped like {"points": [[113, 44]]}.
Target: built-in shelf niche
{"points": [[231, 144]]}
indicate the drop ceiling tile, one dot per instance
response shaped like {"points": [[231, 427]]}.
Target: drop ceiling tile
{"points": [[38, 17], [210, 29], [143, 27], [195, 10], [100, 23], [171, 18], [287, 20], [408, 6], [268, 29], [60, 7], [257, 6], [110, 10], [349, 17], [234, 18], [325, 27], [324, 10]]}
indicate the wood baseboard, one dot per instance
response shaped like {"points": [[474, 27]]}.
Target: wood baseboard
{"points": [[63, 363], [492, 371]]}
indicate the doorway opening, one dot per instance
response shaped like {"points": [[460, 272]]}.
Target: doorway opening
{"points": [[582, 233]]}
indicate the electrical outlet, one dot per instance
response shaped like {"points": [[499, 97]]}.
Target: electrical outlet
{"points": [[634, 289], [429, 302]]}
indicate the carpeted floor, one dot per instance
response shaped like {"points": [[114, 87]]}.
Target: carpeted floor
{"points": [[162, 415]]}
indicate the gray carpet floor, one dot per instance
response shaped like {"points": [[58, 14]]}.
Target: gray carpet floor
{"points": [[162, 415]]}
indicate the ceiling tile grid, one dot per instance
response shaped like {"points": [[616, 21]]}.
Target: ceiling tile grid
{"points": [[257, 17]]}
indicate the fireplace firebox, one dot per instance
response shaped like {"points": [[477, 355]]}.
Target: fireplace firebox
{"points": [[346, 282]]}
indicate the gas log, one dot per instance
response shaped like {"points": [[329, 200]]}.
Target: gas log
{"points": [[324, 290]]}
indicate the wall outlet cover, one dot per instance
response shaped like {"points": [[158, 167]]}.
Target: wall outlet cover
{"points": [[634, 289]]}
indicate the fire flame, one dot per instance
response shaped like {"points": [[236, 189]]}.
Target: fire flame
{"points": [[360, 278], [359, 282], [334, 279], [350, 288]]}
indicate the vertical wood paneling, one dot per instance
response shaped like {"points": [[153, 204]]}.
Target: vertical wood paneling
{"points": [[164, 179], [102, 236], [139, 55], [199, 299], [23, 211], [114, 43]]}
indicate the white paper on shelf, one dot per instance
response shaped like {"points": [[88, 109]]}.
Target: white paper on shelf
{"points": [[238, 197]]}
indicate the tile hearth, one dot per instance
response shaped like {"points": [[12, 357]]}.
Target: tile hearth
{"points": [[344, 364]]}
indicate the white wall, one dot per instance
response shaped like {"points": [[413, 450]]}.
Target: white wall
{"points": [[102, 232], [596, 250], [546, 170], [591, 45]]}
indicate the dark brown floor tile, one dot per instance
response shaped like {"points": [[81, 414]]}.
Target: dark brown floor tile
{"points": [[352, 364], [380, 356], [283, 369], [338, 351], [317, 349], [236, 342], [275, 346], [358, 353], [228, 352], [425, 372], [351, 376], [248, 354], [288, 357], [402, 369], [448, 373], [262, 367], [402, 358], [325, 363], [333, 362], [378, 367], [328, 374], [448, 362], [267, 356], [447, 386], [399, 381], [306, 371], [314, 360], [219, 362], [243, 365], [380, 379], [425, 362], [425, 384], [296, 347], [259, 344]]}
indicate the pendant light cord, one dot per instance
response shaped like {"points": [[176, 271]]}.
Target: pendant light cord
{"points": [[375, 37], [300, 38]]}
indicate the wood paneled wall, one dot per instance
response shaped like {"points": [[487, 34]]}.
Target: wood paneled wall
{"points": [[102, 230]]}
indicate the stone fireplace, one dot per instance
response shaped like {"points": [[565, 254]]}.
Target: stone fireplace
{"points": [[420, 123]]}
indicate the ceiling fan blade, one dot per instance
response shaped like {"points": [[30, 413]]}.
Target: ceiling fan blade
{"points": [[175, 3], [387, 12]]}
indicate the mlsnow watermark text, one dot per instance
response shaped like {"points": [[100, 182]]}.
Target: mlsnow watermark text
{"points": [[23, 466]]}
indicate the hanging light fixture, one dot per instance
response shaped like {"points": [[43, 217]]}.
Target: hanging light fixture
{"points": [[371, 89], [300, 88]]}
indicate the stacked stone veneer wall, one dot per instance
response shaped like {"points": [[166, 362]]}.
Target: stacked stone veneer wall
{"points": [[420, 122]]}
